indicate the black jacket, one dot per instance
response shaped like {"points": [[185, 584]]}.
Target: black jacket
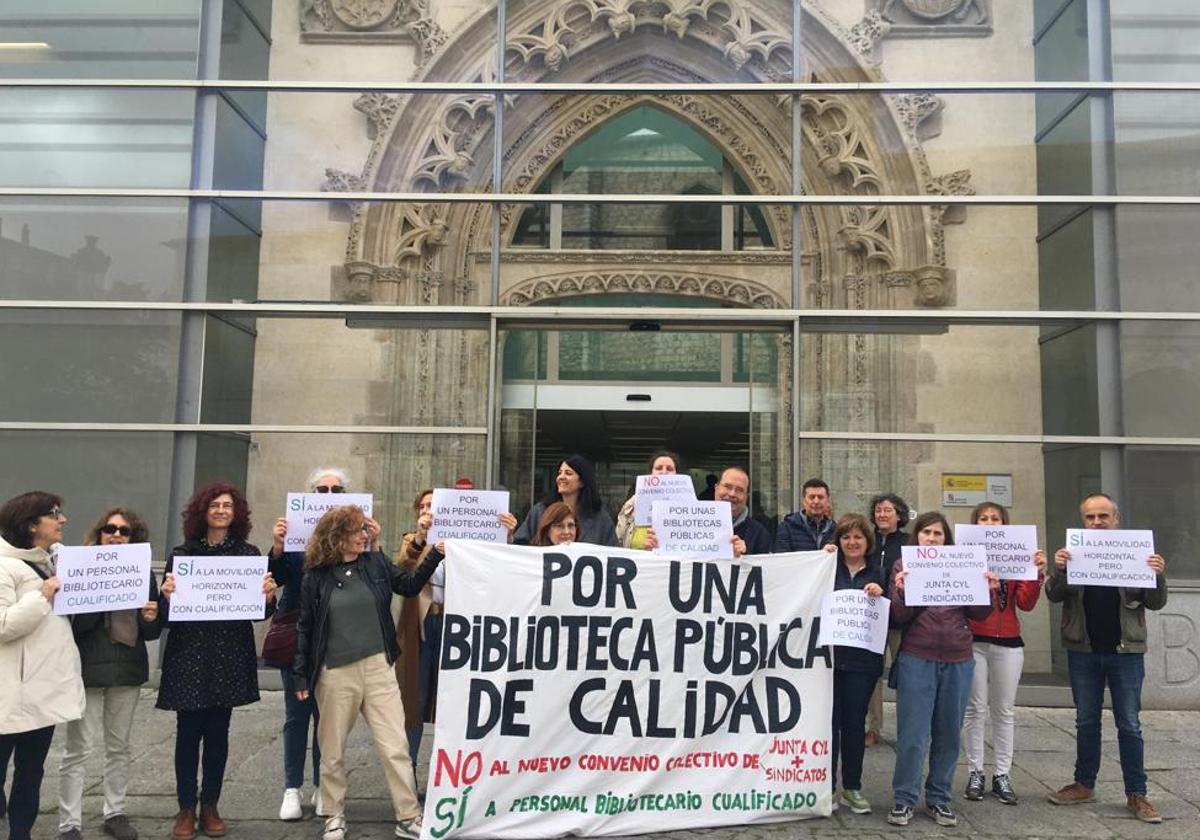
{"points": [[104, 662], [382, 576], [887, 552], [754, 535]]}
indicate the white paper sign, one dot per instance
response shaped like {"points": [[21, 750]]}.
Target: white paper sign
{"points": [[468, 515], [851, 618], [102, 578], [1010, 548], [945, 575], [659, 488], [696, 529], [218, 588], [1101, 557], [304, 511], [587, 691]]}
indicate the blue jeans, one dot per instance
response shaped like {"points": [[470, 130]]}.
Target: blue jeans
{"points": [[931, 699], [296, 717], [852, 692], [1123, 672]]}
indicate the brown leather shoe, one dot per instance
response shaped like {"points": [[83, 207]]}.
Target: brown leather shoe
{"points": [[185, 825], [872, 738], [1072, 794], [1141, 808], [211, 823]]}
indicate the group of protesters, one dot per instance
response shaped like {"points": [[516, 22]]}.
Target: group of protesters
{"points": [[349, 645]]}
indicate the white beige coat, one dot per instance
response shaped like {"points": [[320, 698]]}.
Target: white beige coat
{"points": [[39, 662]]}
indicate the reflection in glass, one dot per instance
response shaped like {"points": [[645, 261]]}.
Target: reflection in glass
{"points": [[92, 249], [89, 366]]}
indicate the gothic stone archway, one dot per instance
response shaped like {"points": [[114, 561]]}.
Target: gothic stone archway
{"points": [[855, 256]]}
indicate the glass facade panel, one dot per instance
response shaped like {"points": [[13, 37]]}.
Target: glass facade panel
{"points": [[96, 138], [358, 375], [393, 468], [131, 39], [94, 471], [92, 249], [98, 366]]}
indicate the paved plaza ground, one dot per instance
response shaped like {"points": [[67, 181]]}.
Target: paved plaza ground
{"points": [[1044, 759]]}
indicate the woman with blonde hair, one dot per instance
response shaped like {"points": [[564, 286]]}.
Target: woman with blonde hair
{"points": [[345, 648]]}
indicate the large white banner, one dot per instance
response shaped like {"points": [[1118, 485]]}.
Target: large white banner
{"points": [[594, 691], [102, 578]]}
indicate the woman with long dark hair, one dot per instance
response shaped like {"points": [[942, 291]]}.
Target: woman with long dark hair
{"points": [[208, 667], [39, 663], [112, 649], [345, 648], [934, 670], [575, 484]]}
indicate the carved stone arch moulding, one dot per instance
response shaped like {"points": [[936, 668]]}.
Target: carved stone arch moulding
{"points": [[737, 291], [444, 142]]}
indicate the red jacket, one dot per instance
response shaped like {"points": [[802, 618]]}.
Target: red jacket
{"points": [[1003, 623]]}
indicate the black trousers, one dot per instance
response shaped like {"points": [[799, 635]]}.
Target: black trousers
{"points": [[28, 751], [851, 697], [210, 727]]}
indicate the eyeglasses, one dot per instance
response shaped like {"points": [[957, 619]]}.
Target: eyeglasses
{"points": [[54, 513], [337, 488], [221, 506], [110, 529]]}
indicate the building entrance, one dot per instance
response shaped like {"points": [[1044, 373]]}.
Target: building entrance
{"points": [[616, 397]]}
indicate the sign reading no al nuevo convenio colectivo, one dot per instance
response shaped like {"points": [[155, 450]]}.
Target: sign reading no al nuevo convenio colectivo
{"points": [[596, 691]]}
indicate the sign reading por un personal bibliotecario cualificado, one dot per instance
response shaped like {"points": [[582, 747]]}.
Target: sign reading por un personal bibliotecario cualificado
{"points": [[600, 691]]}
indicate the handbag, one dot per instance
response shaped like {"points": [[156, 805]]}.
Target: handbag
{"points": [[279, 645]]}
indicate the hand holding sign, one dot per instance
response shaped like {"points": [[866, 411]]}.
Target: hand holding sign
{"points": [[694, 529], [304, 511], [102, 578], [1109, 557], [945, 576], [468, 515], [1010, 549], [854, 618], [665, 487]]}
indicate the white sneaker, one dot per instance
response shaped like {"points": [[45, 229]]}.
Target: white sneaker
{"points": [[290, 809], [407, 829], [335, 828], [318, 805]]}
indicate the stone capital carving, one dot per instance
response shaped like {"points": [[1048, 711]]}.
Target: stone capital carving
{"points": [[867, 33], [370, 22], [917, 112], [935, 18]]}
